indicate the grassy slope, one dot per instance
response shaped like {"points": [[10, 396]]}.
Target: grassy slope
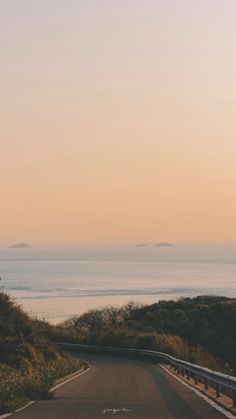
{"points": [[201, 330], [29, 363]]}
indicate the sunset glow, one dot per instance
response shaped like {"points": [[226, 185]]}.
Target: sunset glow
{"points": [[116, 126]]}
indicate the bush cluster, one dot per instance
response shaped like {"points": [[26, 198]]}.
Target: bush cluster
{"points": [[29, 363], [200, 330]]}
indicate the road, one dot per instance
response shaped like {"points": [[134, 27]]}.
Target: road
{"points": [[137, 389]]}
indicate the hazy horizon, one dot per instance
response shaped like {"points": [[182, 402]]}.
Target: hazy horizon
{"points": [[117, 122], [57, 283]]}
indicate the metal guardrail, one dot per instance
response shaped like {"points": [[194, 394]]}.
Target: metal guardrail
{"points": [[211, 378]]}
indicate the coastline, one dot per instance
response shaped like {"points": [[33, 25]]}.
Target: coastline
{"points": [[56, 310]]}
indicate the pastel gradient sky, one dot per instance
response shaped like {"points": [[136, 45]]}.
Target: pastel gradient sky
{"points": [[117, 121]]}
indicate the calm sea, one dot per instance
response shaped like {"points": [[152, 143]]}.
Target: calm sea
{"points": [[55, 283]]}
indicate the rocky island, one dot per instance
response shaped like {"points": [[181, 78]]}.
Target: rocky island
{"points": [[164, 244], [20, 246]]}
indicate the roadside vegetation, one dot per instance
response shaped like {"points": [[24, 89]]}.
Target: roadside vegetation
{"points": [[29, 363], [201, 330]]}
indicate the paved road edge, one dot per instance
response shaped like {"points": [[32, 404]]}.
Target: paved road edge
{"points": [[211, 402], [67, 380]]}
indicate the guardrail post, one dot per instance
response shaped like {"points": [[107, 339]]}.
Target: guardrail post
{"points": [[178, 370], [183, 372], [206, 383], [234, 398], [196, 379], [188, 374], [218, 390]]}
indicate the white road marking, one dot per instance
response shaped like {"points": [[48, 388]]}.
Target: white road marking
{"points": [[69, 379], [200, 394], [18, 410], [52, 389]]}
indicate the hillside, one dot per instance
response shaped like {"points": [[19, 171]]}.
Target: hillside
{"points": [[201, 330], [29, 363], [208, 321]]}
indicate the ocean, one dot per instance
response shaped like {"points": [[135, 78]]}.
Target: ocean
{"points": [[56, 283]]}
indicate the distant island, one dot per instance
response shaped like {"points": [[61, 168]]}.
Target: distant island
{"points": [[164, 244], [20, 246], [161, 244]]}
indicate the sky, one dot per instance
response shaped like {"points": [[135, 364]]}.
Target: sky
{"points": [[117, 121]]}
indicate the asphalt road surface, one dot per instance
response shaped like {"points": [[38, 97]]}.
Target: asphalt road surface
{"points": [[135, 389]]}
